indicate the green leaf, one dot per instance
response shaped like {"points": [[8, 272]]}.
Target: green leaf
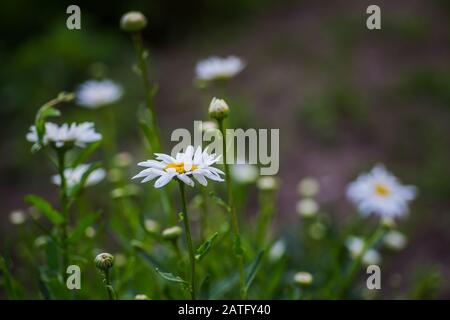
{"points": [[253, 269], [83, 224], [220, 201], [75, 191], [45, 208], [205, 247], [8, 281], [170, 277], [85, 153], [46, 111]]}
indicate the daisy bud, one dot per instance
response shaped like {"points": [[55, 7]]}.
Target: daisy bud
{"points": [[141, 297], [133, 21], [151, 226], [90, 232], [371, 256], [307, 208], [267, 183], [218, 109], [172, 233], [17, 217], [277, 250], [308, 187], [303, 278], [104, 261], [395, 240]]}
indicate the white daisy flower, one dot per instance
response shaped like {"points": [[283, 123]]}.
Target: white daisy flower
{"points": [[79, 134], [183, 167], [94, 94], [214, 68], [73, 176], [381, 193]]}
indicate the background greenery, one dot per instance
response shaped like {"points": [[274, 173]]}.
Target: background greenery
{"points": [[344, 97]]}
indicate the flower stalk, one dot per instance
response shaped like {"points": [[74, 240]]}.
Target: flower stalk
{"points": [[188, 239], [234, 219], [64, 203]]}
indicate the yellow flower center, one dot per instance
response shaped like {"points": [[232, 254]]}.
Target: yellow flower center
{"points": [[179, 167], [381, 190]]}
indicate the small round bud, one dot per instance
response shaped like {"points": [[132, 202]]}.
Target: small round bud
{"points": [[218, 109], [308, 187], [307, 208], [395, 240], [277, 250], [151, 226], [90, 232], [133, 21], [172, 233], [267, 183], [371, 256], [303, 278], [141, 297], [17, 217], [104, 261]]}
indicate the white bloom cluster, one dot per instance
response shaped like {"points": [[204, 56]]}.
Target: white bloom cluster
{"points": [[73, 176], [79, 134], [98, 93], [214, 68], [381, 193], [183, 167]]}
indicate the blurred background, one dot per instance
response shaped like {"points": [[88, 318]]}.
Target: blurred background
{"points": [[344, 97]]}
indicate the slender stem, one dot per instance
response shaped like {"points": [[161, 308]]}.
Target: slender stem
{"points": [[188, 239], [148, 91], [109, 287], [265, 215], [356, 264], [141, 55], [64, 203], [234, 218], [204, 215]]}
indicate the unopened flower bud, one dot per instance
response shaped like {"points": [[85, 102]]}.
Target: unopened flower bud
{"points": [[151, 226], [133, 21], [308, 187], [141, 297], [172, 233], [104, 261], [303, 278], [267, 183], [17, 217], [218, 109], [307, 208]]}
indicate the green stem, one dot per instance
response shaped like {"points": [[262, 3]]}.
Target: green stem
{"points": [[109, 287], [141, 55], [204, 215], [64, 203], [357, 262], [188, 239], [234, 219], [265, 216]]}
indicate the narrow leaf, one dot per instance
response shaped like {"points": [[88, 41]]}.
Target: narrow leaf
{"points": [[253, 269], [205, 247], [171, 277], [46, 208]]}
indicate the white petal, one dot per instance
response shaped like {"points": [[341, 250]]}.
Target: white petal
{"points": [[201, 179], [164, 179], [186, 179]]}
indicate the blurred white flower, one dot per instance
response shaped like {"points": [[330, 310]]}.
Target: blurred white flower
{"points": [[123, 159], [308, 187], [244, 173], [277, 250], [184, 166], [214, 68], [73, 176], [141, 297], [303, 278], [97, 93], [355, 246], [78, 134], [395, 240], [381, 193], [17, 217], [307, 208], [267, 183], [151, 225], [371, 256], [90, 232]]}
